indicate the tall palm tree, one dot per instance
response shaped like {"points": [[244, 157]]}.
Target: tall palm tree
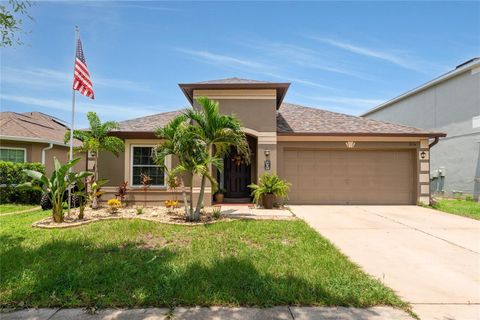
{"points": [[180, 139], [96, 139], [219, 133]]}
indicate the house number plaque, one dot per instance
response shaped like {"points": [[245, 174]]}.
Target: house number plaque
{"points": [[266, 165]]}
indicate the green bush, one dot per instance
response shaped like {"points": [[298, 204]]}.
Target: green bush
{"points": [[11, 175]]}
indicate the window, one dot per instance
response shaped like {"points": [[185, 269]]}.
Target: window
{"points": [[142, 162], [13, 154]]}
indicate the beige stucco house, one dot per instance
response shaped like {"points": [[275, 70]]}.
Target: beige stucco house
{"points": [[34, 137], [329, 158]]}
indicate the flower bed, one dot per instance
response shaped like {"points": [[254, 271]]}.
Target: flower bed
{"points": [[150, 213]]}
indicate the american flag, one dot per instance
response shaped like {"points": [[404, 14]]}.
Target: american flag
{"points": [[81, 79]]}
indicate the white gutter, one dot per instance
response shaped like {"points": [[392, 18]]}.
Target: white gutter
{"points": [[28, 139], [43, 152], [472, 65]]}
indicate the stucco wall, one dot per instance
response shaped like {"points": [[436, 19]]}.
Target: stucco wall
{"points": [[34, 154], [112, 168], [446, 107], [255, 109]]}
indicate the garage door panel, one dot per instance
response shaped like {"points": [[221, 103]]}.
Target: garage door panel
{"points": [[350, 177]]}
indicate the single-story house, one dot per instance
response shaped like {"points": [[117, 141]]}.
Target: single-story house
{"points": [[328, 157], [34, 137]]}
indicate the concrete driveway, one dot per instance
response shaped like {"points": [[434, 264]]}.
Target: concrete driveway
{"points": [[431, 259]]}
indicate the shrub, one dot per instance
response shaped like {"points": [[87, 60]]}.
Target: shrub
{"points": [[114, 205], [269, 184], [216, 213], [469, 197], [11, 175]]}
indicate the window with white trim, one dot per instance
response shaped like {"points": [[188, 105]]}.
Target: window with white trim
{"points": [[16, 155], [142, 162]]}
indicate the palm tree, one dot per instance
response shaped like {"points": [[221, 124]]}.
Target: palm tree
{"points": [[218, 133], [180, 140], [96, 139]]}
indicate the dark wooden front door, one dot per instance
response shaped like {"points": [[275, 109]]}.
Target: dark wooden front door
{"points": [[237, 178]]}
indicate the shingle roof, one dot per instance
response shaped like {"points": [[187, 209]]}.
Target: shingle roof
{"points": [[295, 119], [148, 123], [33, 125], [233, 80]]}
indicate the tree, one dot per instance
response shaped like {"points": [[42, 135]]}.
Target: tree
{"points": [[10, 22], [57, 185], [96, 139], [180, 140], [200, 139], [219, 134]]}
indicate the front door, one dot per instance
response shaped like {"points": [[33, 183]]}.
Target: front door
{"points": [[237, 176]]}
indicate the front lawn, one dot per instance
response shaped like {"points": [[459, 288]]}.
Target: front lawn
{"points": [[127, 263], [464, 208], [11, 207]]}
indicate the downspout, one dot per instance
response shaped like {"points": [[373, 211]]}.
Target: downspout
{"points": [[434, 142], [43, 152]]}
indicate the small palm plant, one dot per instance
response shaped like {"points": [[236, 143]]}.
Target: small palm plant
{"points": [[269, 187], [95, 140], [58, 184]]}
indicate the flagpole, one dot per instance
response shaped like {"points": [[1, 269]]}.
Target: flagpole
{"points": [[72, 126]]}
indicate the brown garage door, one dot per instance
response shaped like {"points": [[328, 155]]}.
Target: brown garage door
{"points": [[350, 177]]}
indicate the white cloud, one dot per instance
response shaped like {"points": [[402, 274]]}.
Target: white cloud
{"points": [[359, 102], [42, 77], [400, 59], [222, 59], [246, 66], [301, 56], [118, 112]]}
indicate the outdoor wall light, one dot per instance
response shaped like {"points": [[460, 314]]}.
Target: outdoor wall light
{"points": [[423, 154], [350, 144], [267, 153]]}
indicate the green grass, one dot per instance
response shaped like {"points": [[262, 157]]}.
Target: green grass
{"points": [[10, 207], [464, 208], [132, 263]]}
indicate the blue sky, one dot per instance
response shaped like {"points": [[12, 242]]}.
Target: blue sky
{"points": [[341, 56]]}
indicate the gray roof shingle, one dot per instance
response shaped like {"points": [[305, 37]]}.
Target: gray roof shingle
{"points": [[33, 125], [296, 119], [148, 123]]}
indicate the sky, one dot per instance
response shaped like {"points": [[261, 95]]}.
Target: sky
{"points": [[346, 57]]}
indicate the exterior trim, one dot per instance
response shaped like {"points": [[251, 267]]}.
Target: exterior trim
{"points": [[280, 87], [18, 148], [360, 134], [130, 164], [30, 139], [127, 176], [347, 138], [460, 69]]}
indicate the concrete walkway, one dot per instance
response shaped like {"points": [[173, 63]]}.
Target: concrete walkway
{"points": [[431, 259], [214, 313], [249, 212]]}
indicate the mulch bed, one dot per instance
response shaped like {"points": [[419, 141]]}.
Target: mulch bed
{"points": [[152, 213]]}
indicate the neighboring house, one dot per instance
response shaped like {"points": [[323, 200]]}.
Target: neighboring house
{"points": [[34, 137], [329, 158], [451, 104]]}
